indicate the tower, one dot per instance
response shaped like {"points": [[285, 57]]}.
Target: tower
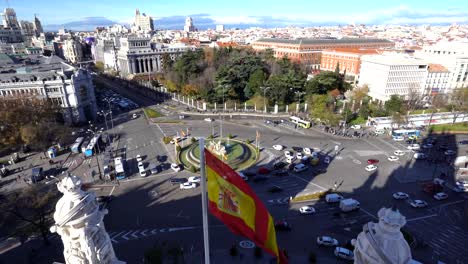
{"points": [[189, 25], [79, 222], [37, 26]]}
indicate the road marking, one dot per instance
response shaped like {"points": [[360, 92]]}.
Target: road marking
{"points": [[133, 234], [112, 191], [125, 236], [310, 182], [154, 231], [144, 232], [368, 213], [161, 130], [422, 217]]}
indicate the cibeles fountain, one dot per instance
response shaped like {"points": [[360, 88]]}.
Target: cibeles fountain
{"points": [[79, 222], [383, 242]]}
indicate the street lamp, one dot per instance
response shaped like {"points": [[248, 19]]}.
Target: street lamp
{"points": [[112, 119], [264, 100], [94, 133]]}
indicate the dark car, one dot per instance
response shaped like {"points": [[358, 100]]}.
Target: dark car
{"points": [[275, 189], [177, 181], [249, 173], [279, 165], [282, 225], [463, 142], [297, 149], [443, 147], [291, 166], [263, 170], [372, 161], [260, 178], [320, 171], [155, 169], [281, 173]]}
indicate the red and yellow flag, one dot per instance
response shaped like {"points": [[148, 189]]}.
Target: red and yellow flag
{"points": [[233, 202]]}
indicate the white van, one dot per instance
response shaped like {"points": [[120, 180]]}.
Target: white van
{"points": [[333, 198], [300, 167], [348, 205]]}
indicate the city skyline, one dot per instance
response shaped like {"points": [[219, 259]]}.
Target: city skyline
{"points": [[208, 13]]}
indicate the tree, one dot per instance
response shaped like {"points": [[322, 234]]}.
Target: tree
{"points": [[32, 206], [459, 102], [394, 104], [337, 68], [256, 80], [326, 81]]}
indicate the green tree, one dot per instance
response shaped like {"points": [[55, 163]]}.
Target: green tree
{"points": [[256, 80], [337, 68], [326, 81], [394, 104]]}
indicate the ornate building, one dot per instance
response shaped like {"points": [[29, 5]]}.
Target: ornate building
{"points": [[72, 50], [143, 22], [137, 55], [79, 222]]}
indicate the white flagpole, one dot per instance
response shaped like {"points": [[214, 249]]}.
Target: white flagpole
{"points": [[206, 236]]}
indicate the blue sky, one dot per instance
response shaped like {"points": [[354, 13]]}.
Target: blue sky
{"points": [[250, 11]]}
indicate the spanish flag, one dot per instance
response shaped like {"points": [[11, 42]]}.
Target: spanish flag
{"points": [[233, 202]]}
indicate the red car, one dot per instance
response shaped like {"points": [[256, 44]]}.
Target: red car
{"points": [[372, 161], [263, 170]]}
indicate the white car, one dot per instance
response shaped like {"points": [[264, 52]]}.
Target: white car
{"points": [[134, 116], [307, 151], [290, 159], [399, 152], [414, 147], [175, 167], [450, 152], [356, 126], [209, 119], [427, 146], [344, 253], [142, 172], [327, 241], [307, 209], [398, 138], [400, 195], [462, 183], [393, 158], [299, 155], [418, 204], [194, 179], [419, 156], [440, 196], [278, 147], [138, 158], [187, 185], [371, 167], [288, 154], [141, 166]]}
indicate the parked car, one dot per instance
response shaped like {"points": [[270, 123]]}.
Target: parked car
{"points": [[290, 159], [307, 209], [327, 241], [138, 158], [333, 198], [308, 151], [372, 161], [371, 168], [175, 167], [142, 172], [344, 253], [450, 152], [187, 185], [154, 170], [288, 154], [175, 181], [278, 147], [400, 195], [141, 166], [299, 155], [418, 204], [134, 116], [440, 196], [282, 225], [194, 179], [279, 165]]}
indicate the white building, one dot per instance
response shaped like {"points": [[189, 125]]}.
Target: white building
{"points": [[9, 18], [72, 50], [142, 22], [138, 55], [188, 27], [437, 81], [391, 74], [453, 56], [219, 27], [52, 79]]}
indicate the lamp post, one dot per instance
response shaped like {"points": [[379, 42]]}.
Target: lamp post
{"points": [[221, 118], [112, 119], [264, 101], [94, 133]]}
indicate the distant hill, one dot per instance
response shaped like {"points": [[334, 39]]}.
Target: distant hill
{"points": [[85, 24]]}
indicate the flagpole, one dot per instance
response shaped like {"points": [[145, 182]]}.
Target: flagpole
{"points": [[206, 236]]}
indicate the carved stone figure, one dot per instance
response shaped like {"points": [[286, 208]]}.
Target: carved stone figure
{"points": [[79, 222], [383, 242]]}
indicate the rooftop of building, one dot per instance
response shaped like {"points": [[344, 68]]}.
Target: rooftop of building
{"points": [[393, 59], [301, 41], [353, 51], [437, 68]]}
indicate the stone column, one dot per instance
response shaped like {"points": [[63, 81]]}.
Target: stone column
{"points": [[130, 65], [245, 107], [255, 107], [204, 106], [193, 105], [225, 107], [215, 106], [305, 107], [297, 108], [276, 109], [287, 106], [235, 106]]}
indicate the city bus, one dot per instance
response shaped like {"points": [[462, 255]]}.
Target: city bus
{"points": [[75, 148], [406, 133], [299, 122]]}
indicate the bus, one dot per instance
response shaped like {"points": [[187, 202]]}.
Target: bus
{"points": [[299, 122], [93, 144], [119, 168], [419, 120], [406, 133], [75, 148]]}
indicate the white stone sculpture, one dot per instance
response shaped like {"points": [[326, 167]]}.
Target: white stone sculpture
{"points": [[383, 242], [78, 221], [217, 148]]}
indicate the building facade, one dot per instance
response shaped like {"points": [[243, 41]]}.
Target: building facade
{"points": [[309, 51], [52, 79], [143, 22], [10, 35], [72, 50], [437, 81], [140, 56], [393, 74], [9, 18], [348, 60]]}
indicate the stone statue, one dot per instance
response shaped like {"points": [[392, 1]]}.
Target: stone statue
{"points": [[217, 148], [383, 242], [78, 221]]}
